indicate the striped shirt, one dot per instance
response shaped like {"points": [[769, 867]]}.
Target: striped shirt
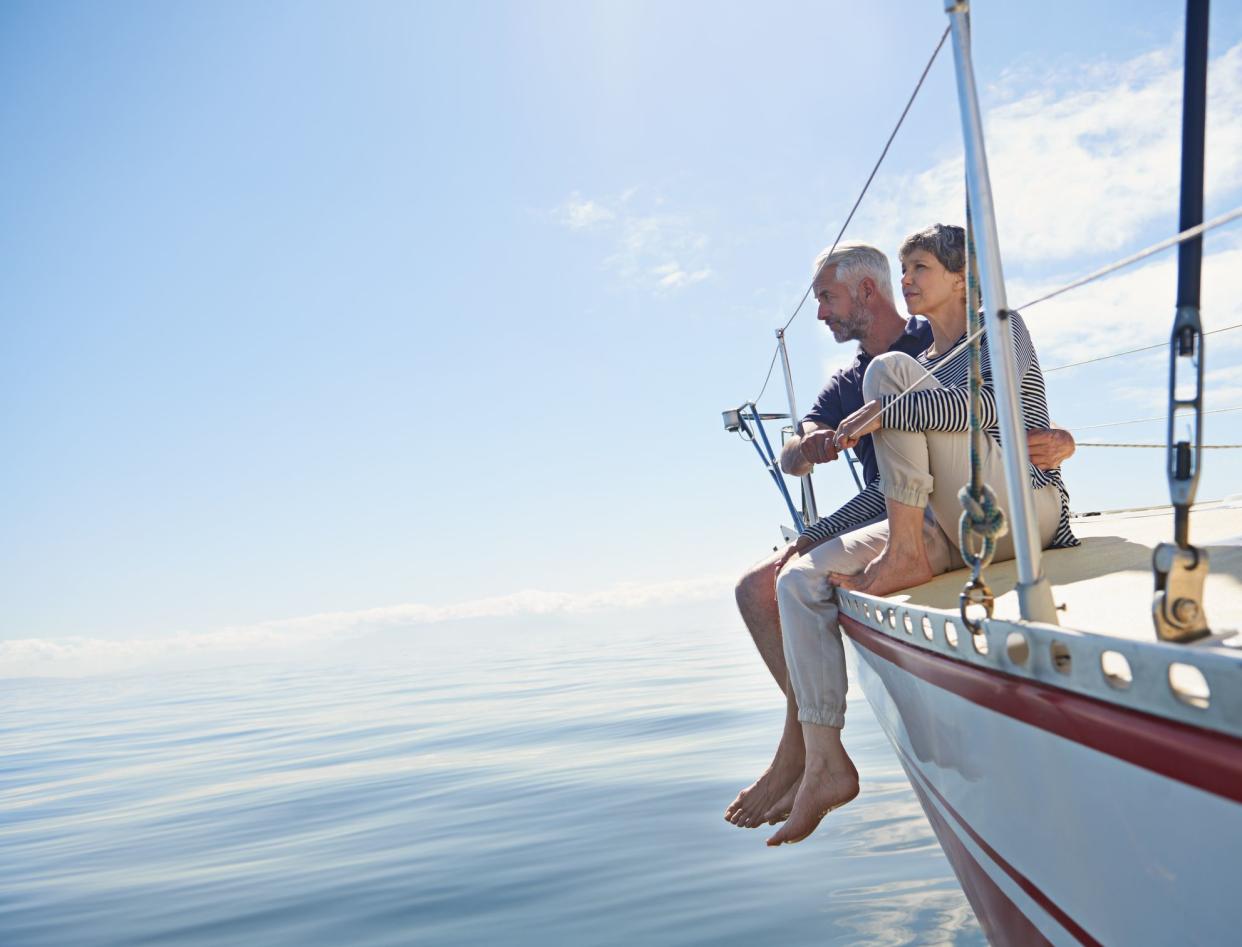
{"points": [[947, 408]]}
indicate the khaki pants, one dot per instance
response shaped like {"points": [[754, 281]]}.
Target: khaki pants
{"points": [[812, 639]]}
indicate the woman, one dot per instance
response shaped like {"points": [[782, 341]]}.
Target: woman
{"points": [[922, 440], [922, 444]]}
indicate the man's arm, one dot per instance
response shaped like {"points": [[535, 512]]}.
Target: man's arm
{"points": [[1049, 447], [862, 508], [802, 452]]}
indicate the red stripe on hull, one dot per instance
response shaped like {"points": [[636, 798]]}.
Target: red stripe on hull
{"points": [[1002, 921], [1205, 759], [1032, 890]]}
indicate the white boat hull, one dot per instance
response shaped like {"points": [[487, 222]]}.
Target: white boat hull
{"points": [[1068, 820]]}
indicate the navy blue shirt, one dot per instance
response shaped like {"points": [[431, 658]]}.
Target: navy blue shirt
{"points": [[842, 396]]}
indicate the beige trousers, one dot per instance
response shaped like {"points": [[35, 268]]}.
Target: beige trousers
{"points": [[813, 651], [918, 469], [928, 468]]}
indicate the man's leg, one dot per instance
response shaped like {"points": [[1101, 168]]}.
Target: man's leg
{"points": [[756, 600], [816, 661]]}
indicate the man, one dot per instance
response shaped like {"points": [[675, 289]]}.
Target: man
{"points": [[853, 290]]}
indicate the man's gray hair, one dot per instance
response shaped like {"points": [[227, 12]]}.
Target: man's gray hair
{"points": [[854, 262]]}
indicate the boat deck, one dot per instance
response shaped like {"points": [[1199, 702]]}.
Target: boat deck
{"points": [[1105, 585]]}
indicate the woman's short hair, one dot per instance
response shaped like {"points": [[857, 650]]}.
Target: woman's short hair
{"points": [[855, 261], [946, 242]]}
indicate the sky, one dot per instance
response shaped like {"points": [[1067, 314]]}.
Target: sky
{"points": [[321, 314]]}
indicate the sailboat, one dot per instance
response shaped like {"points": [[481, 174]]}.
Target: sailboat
{"points": [[1074, 735]]}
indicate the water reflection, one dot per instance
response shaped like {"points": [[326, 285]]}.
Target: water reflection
{"points": [[495, 787]]}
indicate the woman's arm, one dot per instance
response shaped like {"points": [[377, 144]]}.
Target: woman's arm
{"points": [[948, 408]]}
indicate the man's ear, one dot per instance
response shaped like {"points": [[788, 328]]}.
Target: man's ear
{"points": [[866, 289]]}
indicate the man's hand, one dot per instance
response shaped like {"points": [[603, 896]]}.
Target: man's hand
{"points": [[868, 418], [818, 447], [1049, 447]]}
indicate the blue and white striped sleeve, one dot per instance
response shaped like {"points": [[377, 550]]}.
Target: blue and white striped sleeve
{"points": [[938, 409], [948, 408], [863, 508]]}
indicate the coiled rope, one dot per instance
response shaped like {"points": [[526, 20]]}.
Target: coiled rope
{"points": [[982, 516]]}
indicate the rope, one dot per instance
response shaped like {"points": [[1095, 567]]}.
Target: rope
{"points": [[1145, 348], [768, 378], [1159, 446], [871, 177], [1188, 234], [1163, 417], [982, 515]]}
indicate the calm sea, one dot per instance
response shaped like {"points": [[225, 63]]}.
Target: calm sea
{"points": [[467, 783]]}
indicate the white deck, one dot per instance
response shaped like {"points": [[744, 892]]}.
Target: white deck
{"points": [[1106, 583]]}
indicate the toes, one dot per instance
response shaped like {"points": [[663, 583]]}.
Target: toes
{"points": [[784, 836]]}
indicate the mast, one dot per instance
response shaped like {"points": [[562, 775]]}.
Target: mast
{"points": [[1034, 591], [1180, 568]]}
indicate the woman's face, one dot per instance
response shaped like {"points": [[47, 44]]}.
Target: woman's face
{"points": [[928, 287]]}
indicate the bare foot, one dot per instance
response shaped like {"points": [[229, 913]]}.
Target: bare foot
{"points": [[821, 792], [780, 779], [897, 567], [780, 812]]}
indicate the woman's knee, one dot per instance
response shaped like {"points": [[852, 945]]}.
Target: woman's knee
{"points": [[889, 374]]}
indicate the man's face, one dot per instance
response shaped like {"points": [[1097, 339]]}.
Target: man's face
{"points": [[839, 309]]}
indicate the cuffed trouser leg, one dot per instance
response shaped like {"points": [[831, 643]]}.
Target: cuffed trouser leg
{"points": [[813, 650], [921, 468]]}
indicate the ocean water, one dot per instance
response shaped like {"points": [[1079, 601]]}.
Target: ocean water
{"points": [[464, 783]]}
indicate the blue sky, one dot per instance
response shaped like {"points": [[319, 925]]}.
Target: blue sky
{"points": [[321, 309]]}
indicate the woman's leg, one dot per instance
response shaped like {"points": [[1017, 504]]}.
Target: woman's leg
{"points": [[906, 470], [950, 464]]}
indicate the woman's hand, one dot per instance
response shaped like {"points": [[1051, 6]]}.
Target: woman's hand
{"points": [[1049, 448], [868, 418]]}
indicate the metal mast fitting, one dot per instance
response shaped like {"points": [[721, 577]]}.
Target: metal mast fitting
{"points": [[1034, 591], [1180, 568]]}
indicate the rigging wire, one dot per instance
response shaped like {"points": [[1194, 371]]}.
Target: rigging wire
{"points": [[1160, 446], [1188, 234], [871, 177], [768, 377], [1163, 417], [1145, 348]]}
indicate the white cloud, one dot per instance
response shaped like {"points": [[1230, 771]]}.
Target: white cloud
{"points": [[80, 655], [650, 249], [1085, 168], [1132, 307], [671, 275], [1081, 164], [577, 214]]}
